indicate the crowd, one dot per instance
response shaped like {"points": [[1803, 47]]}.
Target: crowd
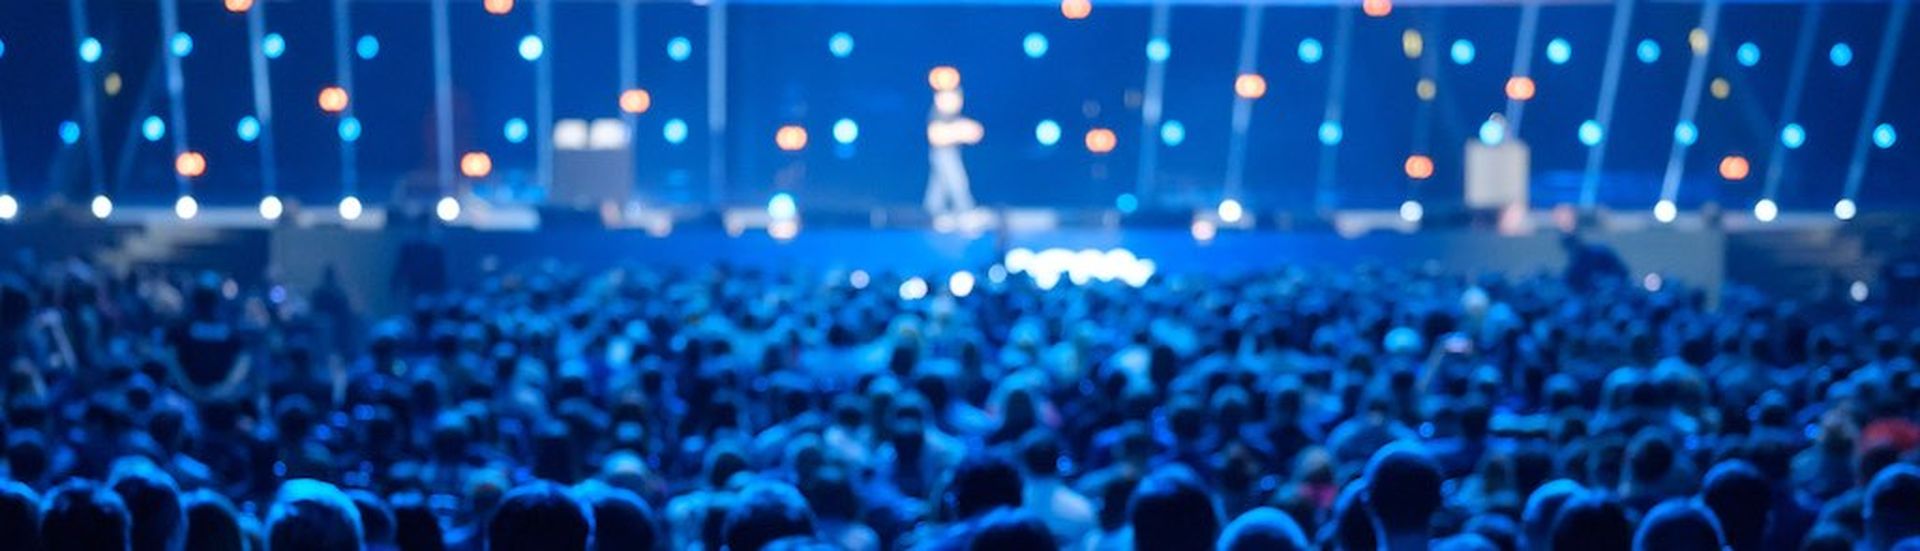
{"points": [[1305, 408]]}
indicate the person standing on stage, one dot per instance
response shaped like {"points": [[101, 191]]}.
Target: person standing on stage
{"points": [[948, 191]]}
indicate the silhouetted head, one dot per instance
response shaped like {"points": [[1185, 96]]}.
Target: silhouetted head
{"points": [[1739, 496], [1262, 529], [982, 484], [1892, 508], [539, 516], [1172, 510], [1679, 525], [81, 515], [1403, 489], [621, 520], [310, 515], [20, 515], [212, 523], [766, 512], [1009, 529], [1592, 521], [159, 522]]}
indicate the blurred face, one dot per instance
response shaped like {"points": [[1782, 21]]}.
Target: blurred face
{"points": [[948, 103]]}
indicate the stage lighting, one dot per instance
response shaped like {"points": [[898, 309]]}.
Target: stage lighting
{"points": [[1734, 168], [1559, 51], [1412, 43], [153, 129], [960, 283], [532, 47], [1685, 133], [1425, 89], [111, 84], [3, 48], [102, 207], [248, 129], [9, 207], [350, 208], [1844, 209], [1158, 50], [1494, 130], [238, 6], [840, 45], [1047, 132], [943, 78], [333, 99], [1858, 291], [69, 132], [791, 137], [679, 48], [90, 49], [1793, 136], [1126, 203], [498, 7], [1101, 141], [367, 47], [859, 279], [1665, 211], [476, 164], [447, 209], [1652, 282], [1648, 51], [1331, 133], [1591, 133], [1035, 45], [186, 208], [1748, 54], [783, 230], [1419, 167], [1720, 88], [913, 288], [1765, 210], [1697, 40], [1462, 52], [1411, 211], [1376, 8], [782, 207], [1311, 51], [349, 129], [1250, 86], [1230, 211], [190, 164], [635, 101], [1173, 133], [1076, 9], [1520, 88], [1203, 231], [674, 131], [180, 45], [845, 131], [1884, 136], [273, 45], [515, 130], [271, 208], [1841, 54]]}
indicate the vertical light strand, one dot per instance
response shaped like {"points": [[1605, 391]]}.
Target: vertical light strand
{"points": [[543, 94], [1523, 61], [176, 89], [716, 101], [1152, 104], [343, 76], [1242, 105], [1877, 95], [262, 94], [629, 22], [89, 102], [1690, 102], [1325, 199], [1609, 93], [1796, 85], [443, 96], [1423, 118]]}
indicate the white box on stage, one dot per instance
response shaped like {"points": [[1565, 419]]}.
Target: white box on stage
{"points": [[1497, 174]]}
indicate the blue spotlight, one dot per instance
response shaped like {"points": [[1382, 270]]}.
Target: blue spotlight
{"points": [[1047, 132], [1462, 52], [3, 48], [1035, 44], [1686, 133], [1127, 203], [367, 46], [1158, 50], [180, 45], [248, 129], [840, 45], [845, 131], [90, 49], [1311, 51], [1748, 54], [273, 45], [782, 206], [1559, 51], [69, 132], [1884, 136], [532, 47], [1841, 55], [153, 129], [679, 48], [1493, 132], [1173, 133], [1793, 136], [675, 131], [349, 129], [1591, 133], [1331, 133], [515, 130], [1648, 51]]}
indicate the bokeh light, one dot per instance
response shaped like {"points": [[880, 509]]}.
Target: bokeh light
{"points": [[350, 208], [1720, 88], [1591, 133], [271, 208], [238, 6], [1412, 43], [1331, 133], [1101, 141], [1559, 51], [532, 47], [635, 101], [190, 164], [515, 131], [111, 84], [1173, 133], [1035, 45], [333, 99], [476, 164], [782, 207], [1840, 54], [1419, 167], [447, 209], [1792, 136], [1520, 88], [840, 44], [1250, 86], [181, 45], [1230, 211], [1076, 9], [1493, 131], [69, 132], [349, 129], [153, 129], [273, 45], [248, 129], [1734, 168], [1047, 132], [367, 47], [9, 207], [498, 7], [943, 78], [1377, 8], [1748, 54], [186, 207], [1462, 52], [1203, 230], [679, 48], [1311, 50], [1685, 133], [845, 131], [1412, 212], [674, 131], [1884, 136], [791, 137], [1426, 89], [1158, 50], [1844, 209], [1765, 210], [1697, 40], [960, 283], [1665, 211], [90, 49], [101, 206], [1127, 203], [1648, 51]]}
